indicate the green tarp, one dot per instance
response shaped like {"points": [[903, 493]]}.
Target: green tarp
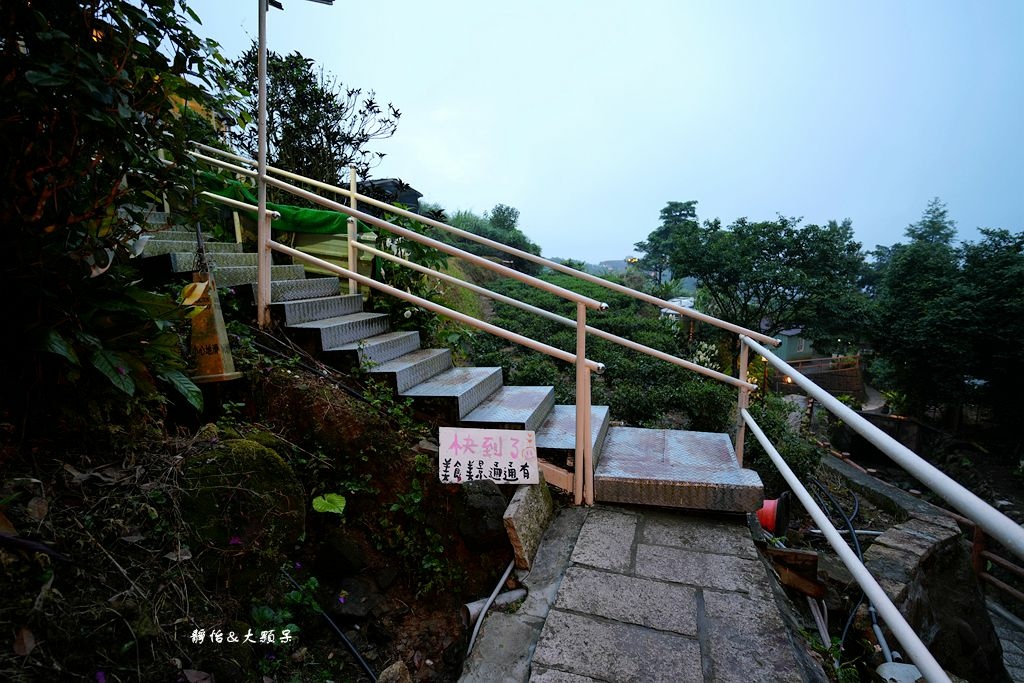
{"points": [[293, 218]]}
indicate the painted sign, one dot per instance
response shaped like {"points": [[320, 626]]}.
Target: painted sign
{"points": [[505, 456]]}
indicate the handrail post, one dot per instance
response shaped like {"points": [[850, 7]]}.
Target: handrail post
{"points": [[262, 220], [744, 401], [263, 265], [580, 466], [353, 233]]}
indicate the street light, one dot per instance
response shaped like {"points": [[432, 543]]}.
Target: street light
{"points": [[262, 225]]}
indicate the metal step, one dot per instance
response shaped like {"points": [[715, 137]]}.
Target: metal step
{"points": [[184, 262], [304, 310], [383, 347], [413, 368], [160, 234], [233, 276], [513, 408], [187, 247], [454, 393], [696, 470], [303, 288], [345, 328], [556, 436]]}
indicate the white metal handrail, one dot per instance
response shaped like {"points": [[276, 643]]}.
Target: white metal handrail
{"points": [[540, 260], [995, 523], [915, 649]]}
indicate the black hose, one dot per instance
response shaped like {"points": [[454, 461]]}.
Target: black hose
{"points": [[348, 643]]}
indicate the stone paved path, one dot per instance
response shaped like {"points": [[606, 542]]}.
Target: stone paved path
{"points": [[623, 594], [1011, 637]]}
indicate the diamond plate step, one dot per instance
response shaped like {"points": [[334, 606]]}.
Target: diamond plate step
{"points": [[184, 261], [345, 328], [413, 368], [304, 310], [513, 408], [556, 436], [155, 247], [696, 470], [454, 393], [232, 276], [303, 288], [383, 347], [159, 234]]}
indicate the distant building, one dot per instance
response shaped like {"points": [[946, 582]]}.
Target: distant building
{"points": [[793, 346], [683, 301]]}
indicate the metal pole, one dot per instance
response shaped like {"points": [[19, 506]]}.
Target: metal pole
{"points": [[580, 463], [353, 233], [744, 400], [262, 222]]}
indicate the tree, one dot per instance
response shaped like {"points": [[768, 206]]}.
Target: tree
{"points": [[920, 316], [92, 91], [500, 224], [657, 249], [316, 127], [775, 275]]}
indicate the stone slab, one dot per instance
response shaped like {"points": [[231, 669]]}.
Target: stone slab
{"points": [[606, 540], [503, 648], [526, 518], [705, 534], [539, 674], [644, 602], [549, 564], [612, 651], [748, 640], [719, 572]]}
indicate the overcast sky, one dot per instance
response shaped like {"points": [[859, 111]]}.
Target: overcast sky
{"points": [[589, 116]]}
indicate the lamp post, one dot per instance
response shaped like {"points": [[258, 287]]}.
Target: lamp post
{"points": [[262, 221]]}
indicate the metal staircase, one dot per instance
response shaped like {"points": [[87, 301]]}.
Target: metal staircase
{"points": [[681, 469]]}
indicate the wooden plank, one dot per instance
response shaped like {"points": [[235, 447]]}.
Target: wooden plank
{"points": [[556, 476]]}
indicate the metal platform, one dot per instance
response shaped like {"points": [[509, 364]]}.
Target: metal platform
{"points": [[695, 470], [513, 408], [456, 392]]}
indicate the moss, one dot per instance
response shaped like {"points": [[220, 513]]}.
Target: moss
{"points": [[246, 508]]}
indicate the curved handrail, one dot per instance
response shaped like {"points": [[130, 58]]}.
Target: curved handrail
{"points": [[519, 253]]}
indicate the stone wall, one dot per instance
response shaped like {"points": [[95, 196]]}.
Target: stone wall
{"points": [[925, 570]]}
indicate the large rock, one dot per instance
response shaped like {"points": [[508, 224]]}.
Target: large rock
{"points": [[482, 507]]}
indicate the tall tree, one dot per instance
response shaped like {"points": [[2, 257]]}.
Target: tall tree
{"points": [[658, 248], [775, 275], [919, 314], [316, 126]]}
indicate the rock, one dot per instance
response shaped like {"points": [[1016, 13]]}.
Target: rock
{"points": [[396, 673], [358, 597], [526, 518], [1002, 505], [481, 522]]}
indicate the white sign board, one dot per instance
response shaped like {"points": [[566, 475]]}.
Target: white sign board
{"points": [[505, 456]]}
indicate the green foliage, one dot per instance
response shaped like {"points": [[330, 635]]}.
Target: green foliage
{"points": [[772, 415], [772, 272], [92, 91], [500, 225], [330, 502], [317, 127]]}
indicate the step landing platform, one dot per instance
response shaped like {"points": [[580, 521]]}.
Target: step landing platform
{"points": [[678, 469]]}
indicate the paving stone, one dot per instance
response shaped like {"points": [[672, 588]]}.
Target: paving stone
{"points": [[606, 540], [644, 602], [501, 653], [748, 640], [549, 563], [720, 572], [616, 652], [542, 675], [698, 533]]}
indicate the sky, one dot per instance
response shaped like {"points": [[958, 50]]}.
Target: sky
{"points": [[589, 116]]}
